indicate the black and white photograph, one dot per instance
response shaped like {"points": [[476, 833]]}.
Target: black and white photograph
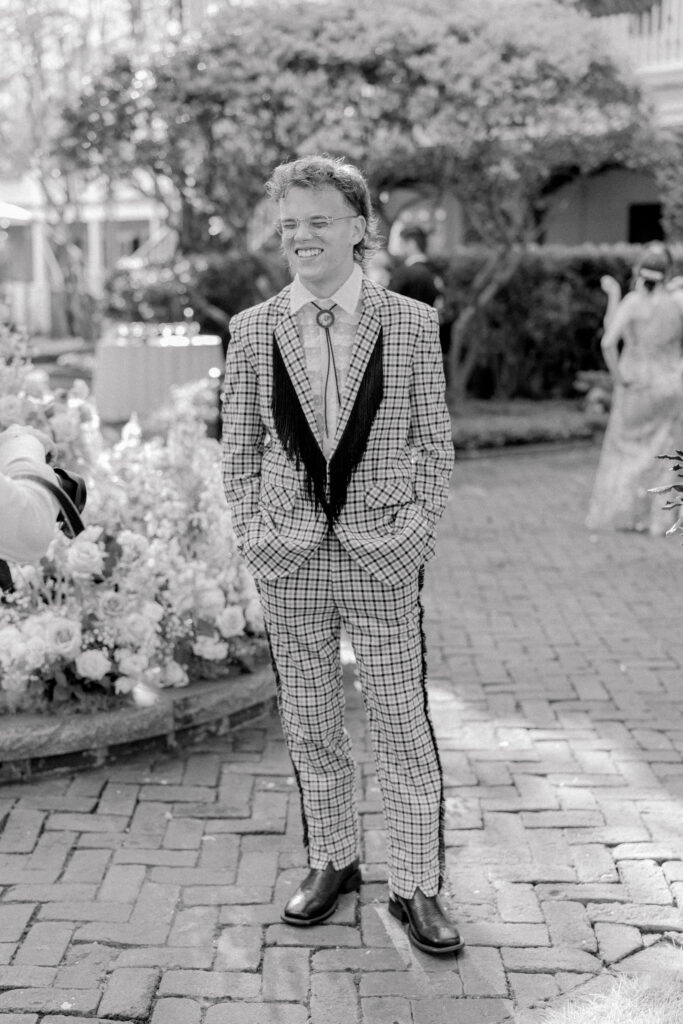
{"points": [[341, 511]]}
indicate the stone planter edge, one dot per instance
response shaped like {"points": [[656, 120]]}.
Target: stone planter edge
{"points": [[32, 744]]}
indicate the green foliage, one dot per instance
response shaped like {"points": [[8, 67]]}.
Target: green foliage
{"points": [[488, 99], [544, 326], [668, 175], [215, 286]]}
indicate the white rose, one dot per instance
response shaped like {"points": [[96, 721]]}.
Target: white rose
{"points": [[10, 409], [35, 651], [133, 545], [92, 664], [153, 611], [112, 604], [209, 602], [231, 621], [131, 664], [254, 616], [175, 675], [84, 558], [210, 648], [63, 637], [13, 682], [124, 684], [134, 630], [10, 641]]}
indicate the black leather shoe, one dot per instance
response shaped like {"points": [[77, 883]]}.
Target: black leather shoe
{"points": [[316, 898], [428, 927]]}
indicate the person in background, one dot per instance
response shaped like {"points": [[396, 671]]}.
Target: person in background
{"points": [[646, 416], [417, 278], [28, 512], [337, 455]]}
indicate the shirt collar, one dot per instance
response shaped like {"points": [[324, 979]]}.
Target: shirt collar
{"points": [[419, 257], [347, 296]]}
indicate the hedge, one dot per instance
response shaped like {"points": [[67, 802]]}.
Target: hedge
{"points": [[214, 285], [544, 326], [540, 331]]}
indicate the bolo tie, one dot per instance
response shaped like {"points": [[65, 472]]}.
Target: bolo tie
{"points": [[325, 318]]}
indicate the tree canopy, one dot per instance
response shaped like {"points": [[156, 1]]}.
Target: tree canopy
{"points": [[491, 101], [495, 103]]}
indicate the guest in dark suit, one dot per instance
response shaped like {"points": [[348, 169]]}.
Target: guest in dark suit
{"points": [[417, 278]]}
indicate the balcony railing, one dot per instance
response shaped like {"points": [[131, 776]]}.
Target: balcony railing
{"points": [[653, 38]]}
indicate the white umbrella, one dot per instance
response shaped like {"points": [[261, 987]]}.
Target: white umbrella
{"points": [[11, 214]]}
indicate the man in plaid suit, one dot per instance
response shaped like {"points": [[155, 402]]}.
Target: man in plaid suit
{"points": [[337, 456]]}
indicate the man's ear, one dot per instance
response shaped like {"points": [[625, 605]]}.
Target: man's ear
{"points": [[359, 226]]}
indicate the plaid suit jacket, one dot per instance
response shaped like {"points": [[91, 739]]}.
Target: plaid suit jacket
{"points": [[392, 455]]}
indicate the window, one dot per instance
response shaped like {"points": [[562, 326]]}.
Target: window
{"points": [[645, 222]]}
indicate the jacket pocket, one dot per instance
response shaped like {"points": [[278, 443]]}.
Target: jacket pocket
{"points": [[389, 492], [277, 494]]}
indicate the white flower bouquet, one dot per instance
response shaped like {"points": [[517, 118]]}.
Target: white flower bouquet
{"points": [[153, 592]]}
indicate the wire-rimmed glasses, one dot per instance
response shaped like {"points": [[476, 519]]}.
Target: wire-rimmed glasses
{"points": [[320, 222]]}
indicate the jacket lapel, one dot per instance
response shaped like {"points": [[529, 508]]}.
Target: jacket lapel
{"points": [[367, 333], [286, 334]]}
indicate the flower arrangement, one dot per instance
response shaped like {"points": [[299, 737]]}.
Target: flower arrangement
{"points": [[68, 417], [151, 594], [196, 401]]}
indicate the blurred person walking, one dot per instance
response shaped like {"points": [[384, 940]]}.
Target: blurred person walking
{"points": [[646, 416]]}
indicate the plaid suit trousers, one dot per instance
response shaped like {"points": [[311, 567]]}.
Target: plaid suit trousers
{"points": [[304, 612]]}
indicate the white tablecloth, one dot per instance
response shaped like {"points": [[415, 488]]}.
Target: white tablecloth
{"points": [[133, 376]]}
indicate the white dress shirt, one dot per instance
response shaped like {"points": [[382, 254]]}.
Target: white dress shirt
{"points": [[348, 306], [27, 511]]}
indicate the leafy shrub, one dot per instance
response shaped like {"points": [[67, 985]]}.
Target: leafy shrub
{"points": [[544, 326], [214, 285]]}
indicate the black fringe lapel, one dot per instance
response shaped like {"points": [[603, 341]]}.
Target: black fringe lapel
{"points": [[353, 441], [442, 802], [278, 691], [296, 436]]}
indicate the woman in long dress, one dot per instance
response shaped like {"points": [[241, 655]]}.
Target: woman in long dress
{"points": [[646, 418]]}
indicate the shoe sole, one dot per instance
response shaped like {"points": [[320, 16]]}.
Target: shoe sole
{"points": [[352, 884], [397, 911]]}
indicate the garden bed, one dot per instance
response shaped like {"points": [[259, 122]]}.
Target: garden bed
{"points": [[33, 744]]}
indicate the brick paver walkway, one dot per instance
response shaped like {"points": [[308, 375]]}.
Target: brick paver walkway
{"points": [[150, 891]]}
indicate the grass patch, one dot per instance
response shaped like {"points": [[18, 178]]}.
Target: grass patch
{"points": [[635, 1000]]}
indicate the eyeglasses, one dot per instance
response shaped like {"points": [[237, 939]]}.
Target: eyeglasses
{"points": [[315, 225]]}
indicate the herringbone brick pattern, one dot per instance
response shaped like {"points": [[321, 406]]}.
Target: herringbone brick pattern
{"points": [[149, 892]]}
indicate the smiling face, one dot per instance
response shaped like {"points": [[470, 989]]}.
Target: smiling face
{"points": [[323, 259]]}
